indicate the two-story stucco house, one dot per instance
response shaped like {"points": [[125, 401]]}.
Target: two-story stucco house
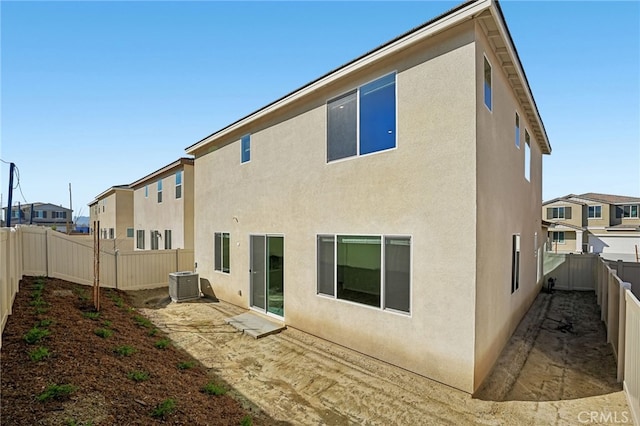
{"points": [[594, 223], [114, 209], [392, 205], [163, 207], [42, 214]]}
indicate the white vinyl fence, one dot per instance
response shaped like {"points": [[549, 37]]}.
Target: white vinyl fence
{"points": [[36, 251]]}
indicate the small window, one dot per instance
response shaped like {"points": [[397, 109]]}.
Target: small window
{"points": [[515, 262], [595, 212], [129, 232], [245, 146], [558, 237], [221, 252], [112, 233], [155, 235], [167, 239], [178, 184], [160, 190], [487, 84], [140, 239], [362, 121], [527, 155], [517, 131], [146, 191]]}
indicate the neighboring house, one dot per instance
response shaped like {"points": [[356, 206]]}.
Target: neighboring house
{"points": [[113, 208], [163, 207], [42, 214], [391, 205], [594, 223]]}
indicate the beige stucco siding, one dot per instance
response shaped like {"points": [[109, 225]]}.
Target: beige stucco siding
{"points": [[425, 189], [578, 212], [175, 214], [507, 204]]}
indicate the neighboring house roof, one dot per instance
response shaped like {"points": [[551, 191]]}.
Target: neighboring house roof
{"points": [[592, 196], [109, 192], [27, 206], [609, 199], [562, 225], [623, 227], [488, 11], [153, 176]]}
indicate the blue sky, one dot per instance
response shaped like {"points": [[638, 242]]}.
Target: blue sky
{"points": [[98, 94]]}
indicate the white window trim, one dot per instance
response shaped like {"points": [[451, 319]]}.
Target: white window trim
{"points": [[357, 89], [241, 151], [518, 141], [380, 308], [527, 143], [595, 217], [215, 254]]}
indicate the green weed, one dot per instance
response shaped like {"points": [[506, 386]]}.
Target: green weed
{"points": [[45, 322], [92, 315], [185, 365], [153, 332], [125, 350], [39, 353], [246, 421], [213, 389], [103, 332], [138, 376], [165, 408], [142, 321], [107, 323], [56, 392], [162, 344], [35, 335]]}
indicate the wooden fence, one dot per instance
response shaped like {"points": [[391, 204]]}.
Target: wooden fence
{"points": [[36, 251]]}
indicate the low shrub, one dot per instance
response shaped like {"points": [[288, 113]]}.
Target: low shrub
{"points": [[185, 365], [142, 321], [35, 335], [138, 376], [162, 344], [103, 332], [92, 315], [39, 353], [212, 388], [165, 408], [125, 350], [56, 392]]}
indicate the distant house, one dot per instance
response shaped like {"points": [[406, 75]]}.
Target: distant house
{"points": [[113, 208], [594, 223], [163, 207], [42, 214], [392, 205]]}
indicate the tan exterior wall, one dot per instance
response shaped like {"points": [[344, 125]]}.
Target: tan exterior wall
{"points": [[175, 214], [605, 213], [425, 188], [507, 204], [114, 211], [569, 245], [578, 212]]}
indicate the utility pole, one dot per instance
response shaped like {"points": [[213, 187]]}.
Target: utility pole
{"points": [[12, 166]]}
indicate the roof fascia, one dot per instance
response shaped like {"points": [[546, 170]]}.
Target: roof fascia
{"points": [[166, 169]]}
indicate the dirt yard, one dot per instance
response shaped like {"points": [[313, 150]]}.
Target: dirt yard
{"points": [[549, 374]]}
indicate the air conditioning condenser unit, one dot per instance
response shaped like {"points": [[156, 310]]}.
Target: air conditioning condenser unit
{"points": [[184, 286]]}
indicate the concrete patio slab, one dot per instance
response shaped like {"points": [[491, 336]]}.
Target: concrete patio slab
{"points": [[255, 325]]}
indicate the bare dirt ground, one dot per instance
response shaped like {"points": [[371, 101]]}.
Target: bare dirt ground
{"points": [[97, 372], [546, 376]]}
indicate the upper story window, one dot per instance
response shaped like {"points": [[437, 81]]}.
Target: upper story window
{"points": [[517, 131], [40, 214], [488, 95], [559, 213], [245, 147], [146, 191], [627, 212], [160, 190], [178, 184], [595, 212], [362, 121], [527, 155], [59, 215]]}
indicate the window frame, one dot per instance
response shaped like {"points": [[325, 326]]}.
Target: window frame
{"points": [[159, 189], [517, 135], [516, 247], [154, 236], [558, 240], [219, 253], [527, 155], [557, 209], [486, 62], [383, 270], [140, 239], [630, 208], [130, 233], [594, 207], [178, 177], [167, 239], [245, 149], [357, 92]]}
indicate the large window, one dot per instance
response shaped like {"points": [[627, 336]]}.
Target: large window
{"points": [[371, 270], [362, 121], [488, 95], [595, 212], [221, 252], [167, 239], [178, 184], [140, 239], [559, 213], [527, 155], [515, 262], [159, 190], [245, 147]]}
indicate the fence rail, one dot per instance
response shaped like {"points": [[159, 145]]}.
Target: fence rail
{"points": [[35, 251]]}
